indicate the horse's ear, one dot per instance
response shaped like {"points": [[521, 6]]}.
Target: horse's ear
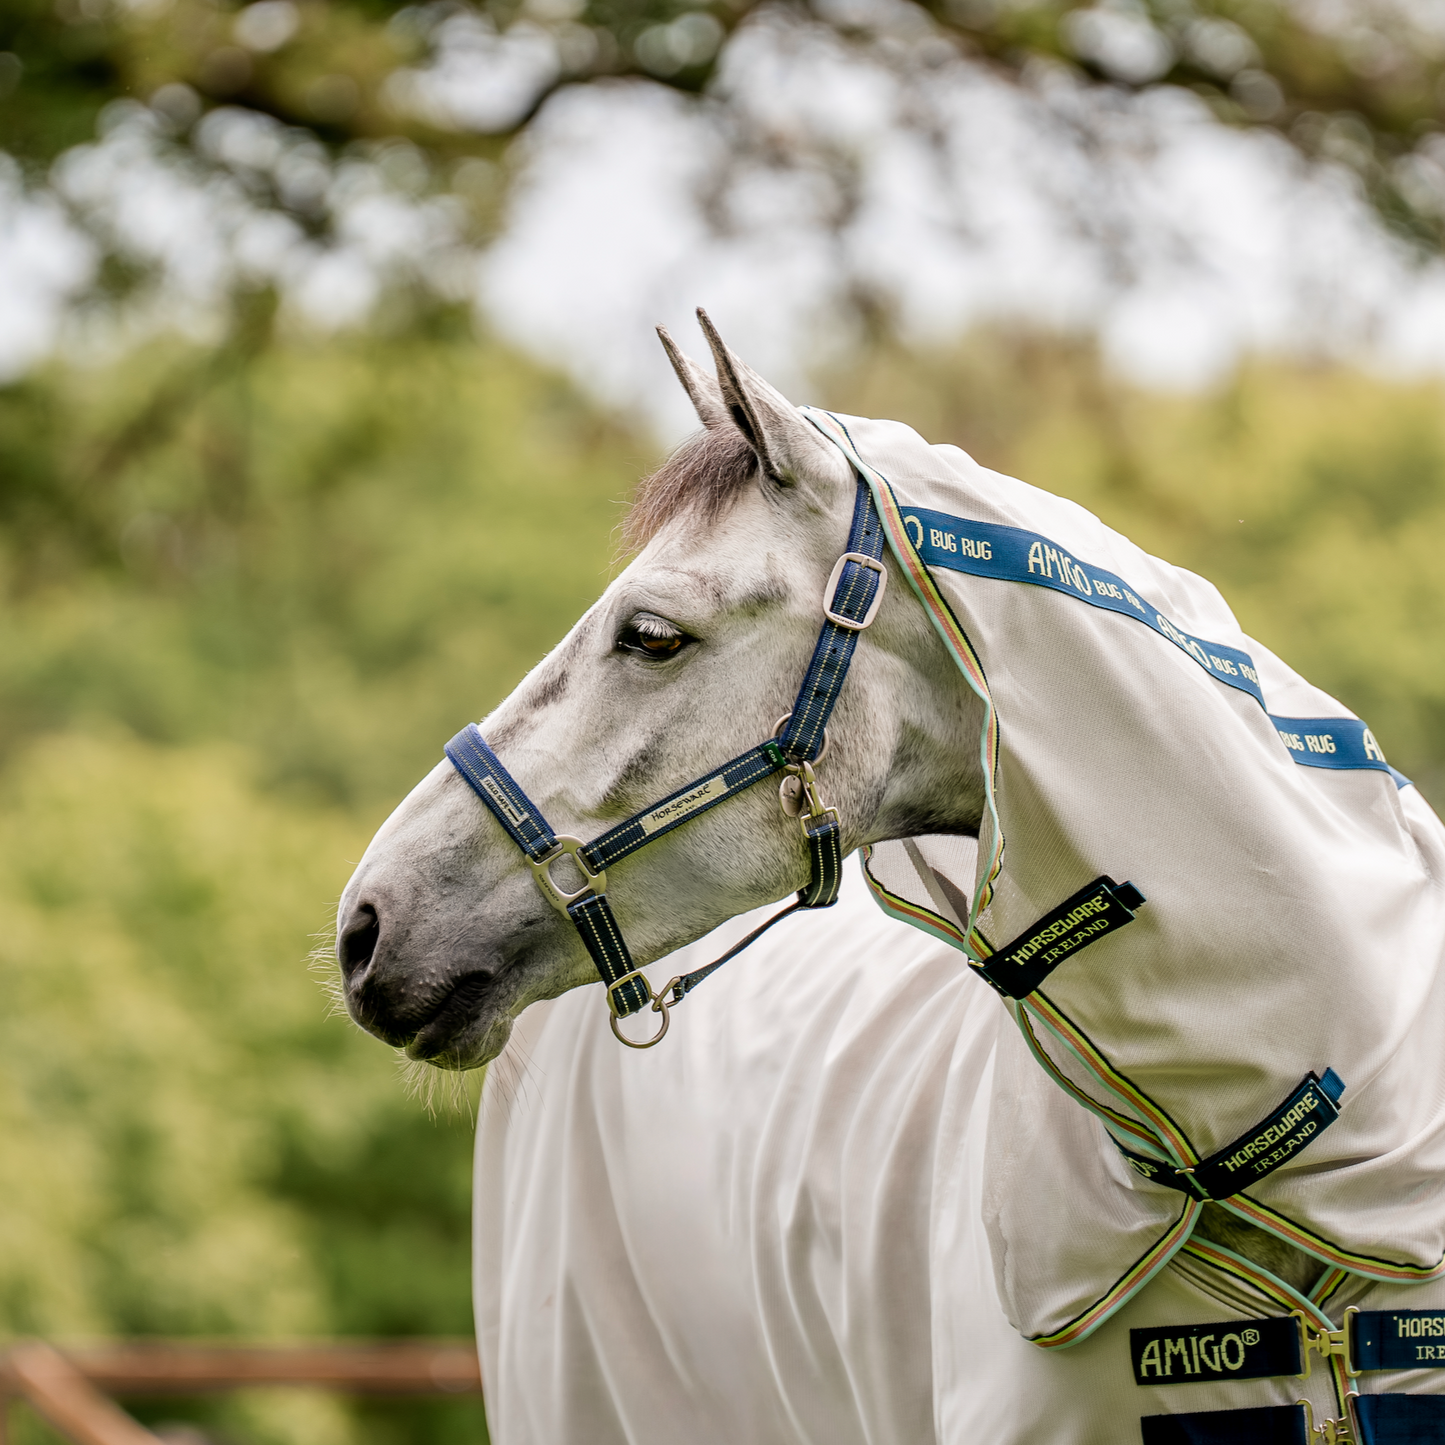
{"points": [[789, 448], [701, 388]]}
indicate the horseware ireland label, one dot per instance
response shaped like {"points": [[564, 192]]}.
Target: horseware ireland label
{"points": [[1399, 1340], [1272, 1142], [679, 808], [1095, 911], [1236, 1350]]}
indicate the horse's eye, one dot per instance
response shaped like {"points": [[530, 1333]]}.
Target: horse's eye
{"points": [[649, 636]]}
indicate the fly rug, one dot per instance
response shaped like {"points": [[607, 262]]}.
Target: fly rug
{"points": [[1158, 1157]]}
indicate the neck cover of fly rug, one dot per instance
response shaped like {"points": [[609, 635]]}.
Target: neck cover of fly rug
{"points": [[1271, 1016]]}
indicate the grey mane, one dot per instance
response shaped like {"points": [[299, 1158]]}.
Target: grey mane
{"points": [[703, 475]]}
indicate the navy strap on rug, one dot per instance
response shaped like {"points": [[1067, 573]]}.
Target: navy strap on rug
{"points": [[1276, 1139], [1398, 1419], [1372, 1420], [850, 603], [1272, 1425], [1011, 554], [1398, 1340]]}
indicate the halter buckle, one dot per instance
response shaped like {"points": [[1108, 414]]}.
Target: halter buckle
{"points": [[559, 898], [837, 618]]}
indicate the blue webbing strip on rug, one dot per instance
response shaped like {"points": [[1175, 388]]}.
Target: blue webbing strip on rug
{"points": [[1011, 554]]}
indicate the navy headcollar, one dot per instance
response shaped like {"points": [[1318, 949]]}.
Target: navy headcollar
{"points": [[850, 603]]}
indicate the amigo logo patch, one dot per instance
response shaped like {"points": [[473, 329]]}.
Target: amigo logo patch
{"points": [[1235, 1350]]}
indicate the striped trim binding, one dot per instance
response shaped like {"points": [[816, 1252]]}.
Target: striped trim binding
{"points": [[1283, 1294], [1326, 1285], [1138, 1134], [914, 913], [948, 628], [1169, 1136], [1331, 1254], [1137, 1276]]}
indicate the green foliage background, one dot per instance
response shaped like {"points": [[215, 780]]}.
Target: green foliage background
{"points": [[246, 594]]}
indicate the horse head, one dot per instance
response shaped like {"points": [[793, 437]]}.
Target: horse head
{"points": [[690, 656]]}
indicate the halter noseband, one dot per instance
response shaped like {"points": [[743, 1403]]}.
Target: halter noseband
{"points": [[850, 603]]}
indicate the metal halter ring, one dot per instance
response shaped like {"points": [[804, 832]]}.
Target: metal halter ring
{"points": [[660, 1004], [559, 898], [827, 741]]}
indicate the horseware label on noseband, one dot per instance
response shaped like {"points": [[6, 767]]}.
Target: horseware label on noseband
{"points": [[1010, 554], [1085, 917], [683, 807], [1271, 1144], [1237, 1350]]}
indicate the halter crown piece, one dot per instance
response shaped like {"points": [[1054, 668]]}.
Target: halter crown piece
{"points": [[850, 603]]}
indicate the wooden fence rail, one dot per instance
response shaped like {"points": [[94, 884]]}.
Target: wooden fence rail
{"points": [[72, 1388]]}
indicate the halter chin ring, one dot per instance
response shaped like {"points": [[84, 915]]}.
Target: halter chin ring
{"points": [[559, 898], [853, 624], [660, 1004]]}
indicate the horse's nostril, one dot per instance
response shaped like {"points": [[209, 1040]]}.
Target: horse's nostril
{"points": [[358, 940]]}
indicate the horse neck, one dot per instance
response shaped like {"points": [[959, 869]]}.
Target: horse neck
{"points": [[934, 781]]}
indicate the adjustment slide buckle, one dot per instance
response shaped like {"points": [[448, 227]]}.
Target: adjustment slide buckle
{"points": [[831, 589]]}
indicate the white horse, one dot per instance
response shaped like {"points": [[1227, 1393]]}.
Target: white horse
{"points": [[842, 1202]]}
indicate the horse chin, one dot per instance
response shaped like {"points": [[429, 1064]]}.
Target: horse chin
{"points": [[471, 1047]]}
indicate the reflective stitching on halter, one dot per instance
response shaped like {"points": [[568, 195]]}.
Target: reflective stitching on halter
{"points": [[825, 675]]}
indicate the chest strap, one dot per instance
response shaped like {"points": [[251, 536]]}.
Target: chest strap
{"points": [[1259, 1349], [1094, 912], [1369, 1420]]}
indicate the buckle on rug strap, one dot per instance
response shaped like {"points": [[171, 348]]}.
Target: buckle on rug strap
{"points": [[1329, 1432], [830, 591], [558, 897], [1326, 1343]]}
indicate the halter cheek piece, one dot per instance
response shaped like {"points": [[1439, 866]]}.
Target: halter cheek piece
{"points": [[850, 603]]}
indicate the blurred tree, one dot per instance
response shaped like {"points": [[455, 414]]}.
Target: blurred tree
{"points": [[245, 594], [261, 542], [1360, 86]]}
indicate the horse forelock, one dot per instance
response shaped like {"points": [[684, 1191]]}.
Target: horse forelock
{"points": [[702, 476]]}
